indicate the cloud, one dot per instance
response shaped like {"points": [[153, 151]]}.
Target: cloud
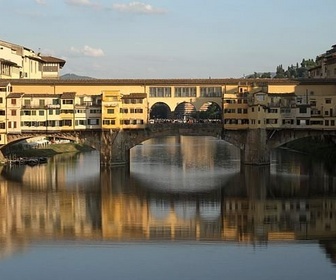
{"points": [[86, 3], [40, 2], [88, 51], [138, 8]]}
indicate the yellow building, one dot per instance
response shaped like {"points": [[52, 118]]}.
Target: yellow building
{"points": [[19, 62], [40, 112], [124, 111]]}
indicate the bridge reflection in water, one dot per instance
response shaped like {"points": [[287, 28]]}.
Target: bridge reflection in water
{"points": [[251, 206]]}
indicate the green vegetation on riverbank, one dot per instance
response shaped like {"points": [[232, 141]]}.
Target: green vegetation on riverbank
{"points": [[51, 150]]}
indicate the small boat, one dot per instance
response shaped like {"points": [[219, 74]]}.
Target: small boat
{"points": [[42, 160], [32, 161]]}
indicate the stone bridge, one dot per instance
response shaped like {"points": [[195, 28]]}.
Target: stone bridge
{"points": [[255, 144], [114, 145]]}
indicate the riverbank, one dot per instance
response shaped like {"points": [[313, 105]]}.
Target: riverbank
{"points": [[51, 150]]}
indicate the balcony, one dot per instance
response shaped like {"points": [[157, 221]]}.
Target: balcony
{"points": [[53, 106], [110, 104], [38, 106]]}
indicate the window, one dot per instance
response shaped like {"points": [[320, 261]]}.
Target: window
{"points": [[110, 111], [328, 100], [41, 113], [67, 111], [13, 101], [67, 101], [50, 67], [211, 91], [42, 102], [109, 122], [95, 111], [126, 122], [185, 91], [137, 111], [93, 121], [274, 111], [271, 121], [303, 110], [26, 102], [80, 122], [13, 112], [67, 123], [159, 92]]}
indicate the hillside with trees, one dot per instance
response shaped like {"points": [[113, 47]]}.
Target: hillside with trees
{"points": [[297, 71]]}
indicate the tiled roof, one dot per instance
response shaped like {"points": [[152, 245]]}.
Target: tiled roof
{"points": [[8, 62], [51, 59], [39, 95], [68, 95], [3, 83], [15, 95], [152, 82], [134, 95]]}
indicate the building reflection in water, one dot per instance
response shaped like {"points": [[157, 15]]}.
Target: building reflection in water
{"points": [[251, 205]]}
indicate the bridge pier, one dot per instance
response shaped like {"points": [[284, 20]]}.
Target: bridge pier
{"points": [[113, 151], [255, 150]]}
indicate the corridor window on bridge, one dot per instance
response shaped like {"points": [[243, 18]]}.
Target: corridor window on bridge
{"points": [[211, 91], [185, 91], [159, 91]]}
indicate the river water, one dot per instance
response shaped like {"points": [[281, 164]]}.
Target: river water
{"points": [[186, 209]]}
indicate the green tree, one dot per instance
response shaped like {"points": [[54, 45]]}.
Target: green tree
{"points": [[280, 72]]}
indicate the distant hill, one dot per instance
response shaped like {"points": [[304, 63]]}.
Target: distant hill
{"points": [[75, 77]]}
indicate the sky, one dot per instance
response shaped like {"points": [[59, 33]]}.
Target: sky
{"points": [[171, 38]]}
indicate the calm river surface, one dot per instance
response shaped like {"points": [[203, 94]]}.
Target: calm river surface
{"points": [[186, 210]]}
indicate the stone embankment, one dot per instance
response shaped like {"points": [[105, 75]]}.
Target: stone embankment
{"points": [[47, 151]]}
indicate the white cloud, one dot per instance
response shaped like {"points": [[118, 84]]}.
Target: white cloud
{"points": [[138, 8], [40, 2], [87, 3], [88, 51]]}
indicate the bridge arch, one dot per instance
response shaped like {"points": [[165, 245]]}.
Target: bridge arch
{"points": [[184, 109], [210, 110], [116, 145], [278, 138], [160, 110]]}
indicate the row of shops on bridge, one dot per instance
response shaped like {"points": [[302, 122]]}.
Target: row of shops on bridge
{"points": [[56, 106]]}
